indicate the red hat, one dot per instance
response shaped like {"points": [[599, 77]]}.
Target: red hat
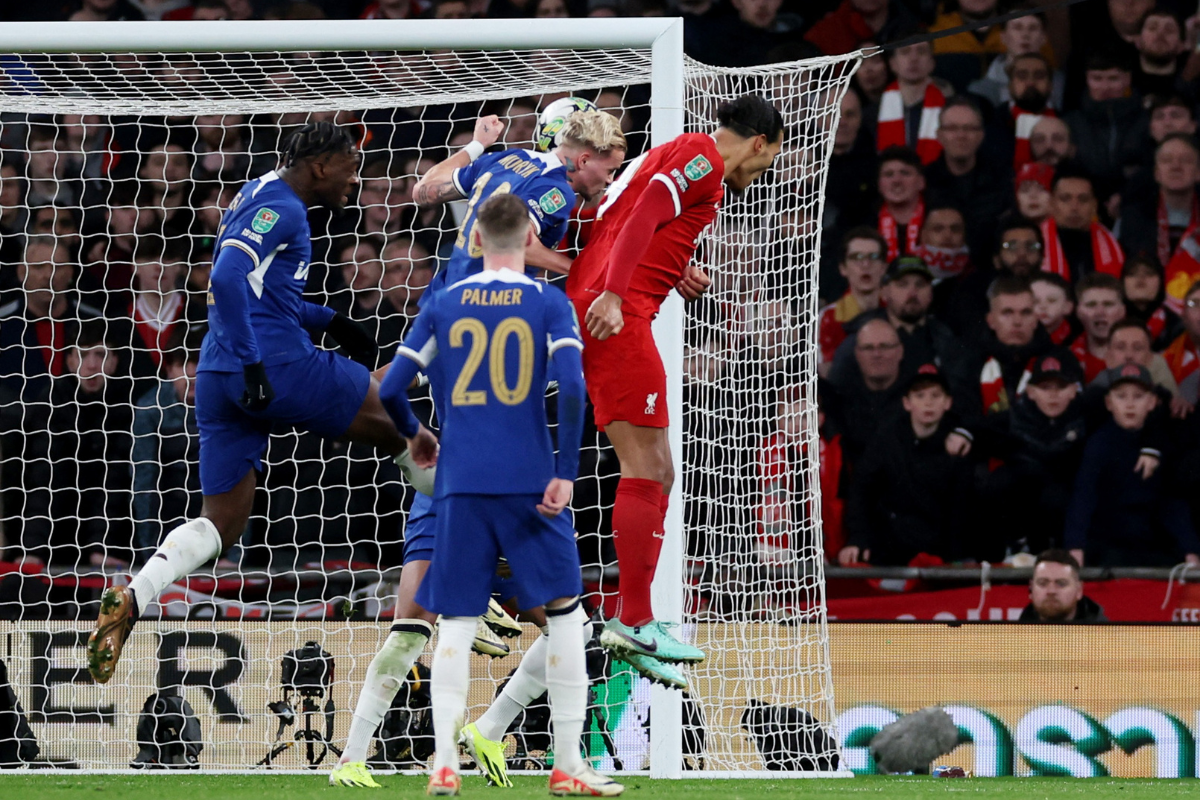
{"points": [[1033, 171]]}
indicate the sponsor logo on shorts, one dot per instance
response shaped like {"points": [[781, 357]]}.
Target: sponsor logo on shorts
{"points": [[651, 401], [680, 181], [251, 235], [265, 219], [697, 168], [552, 201]]}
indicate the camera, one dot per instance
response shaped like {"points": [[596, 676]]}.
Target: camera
{"points": [[307, 670]]}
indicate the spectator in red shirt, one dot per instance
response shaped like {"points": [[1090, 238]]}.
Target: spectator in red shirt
{"points": [[1099, 305], [856, 23], [862, 265]]}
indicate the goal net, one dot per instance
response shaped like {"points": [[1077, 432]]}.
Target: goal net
{"points": [[115, 165]]}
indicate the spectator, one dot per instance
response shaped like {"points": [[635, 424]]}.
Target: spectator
{"points": [[943, 243], [364, 299], [963, 57], [871, 81], [912, 104], [395, 9], [380, 200], [105, 11], [958, 177], [871, 391], [964, 301], [46, 169], [1056, 592], [856, 23], [1161, 54], [1129, 343], [1019, 36], [1039, 442], [548, 9], [1157, 224], [901, 187], [745, 39], [850, 189], [1076, 244], [1145, 294], [1054, 305], [160, 311], [166, 445], [1050, 142], [108, 257], [33, 328], [13, 214], [1168, 115], [1183, 354], [1105, 121], [862, 265], [1012, 342], [77, 454], [1116, 517], [1033, 191], [222, 148], [406, 273], [1099, 306], [1029, 87], [908, 495]]}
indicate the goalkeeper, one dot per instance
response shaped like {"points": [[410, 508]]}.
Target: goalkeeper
{"points": [[258, 366]]}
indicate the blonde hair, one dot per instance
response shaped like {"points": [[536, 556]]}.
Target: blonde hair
{"points": [[595, 130]]}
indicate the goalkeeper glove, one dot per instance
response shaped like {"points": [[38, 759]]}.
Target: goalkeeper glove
{"points": [[258, 394], [352, 337]]}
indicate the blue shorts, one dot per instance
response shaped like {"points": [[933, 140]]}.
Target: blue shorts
{"points": [[321, 393], [419, 532], [474, 530]]}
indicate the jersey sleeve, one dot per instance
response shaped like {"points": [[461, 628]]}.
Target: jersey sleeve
{"points": [[464, 178], [562, 326], [690, 176], [565, 349], [417, 351], [266, 227], [420, 345], [550, 205]]}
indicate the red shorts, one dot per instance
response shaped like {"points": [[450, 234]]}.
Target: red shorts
{"points": [[625, 377]]}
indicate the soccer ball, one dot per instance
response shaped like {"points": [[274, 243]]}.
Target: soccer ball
{"points": [[554, 117]]}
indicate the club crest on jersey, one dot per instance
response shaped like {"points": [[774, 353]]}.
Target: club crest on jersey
{"points": [[697, 168], [552, 201], [264, 220]]}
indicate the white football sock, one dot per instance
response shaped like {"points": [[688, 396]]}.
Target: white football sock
{"points": [[386, 674], [567, 681], [449, 684], [185, 549], [525, 686]]}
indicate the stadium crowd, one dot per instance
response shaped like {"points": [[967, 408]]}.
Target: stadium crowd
{"points": [[1009, 331]]}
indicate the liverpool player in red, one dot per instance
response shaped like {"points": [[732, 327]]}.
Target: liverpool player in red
{"points": [[646, 232]]}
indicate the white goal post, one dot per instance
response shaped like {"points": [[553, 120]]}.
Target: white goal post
{"points": [[770, 641]]}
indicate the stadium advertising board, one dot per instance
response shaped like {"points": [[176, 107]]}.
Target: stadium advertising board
{"points": [[1028, 699], [1086, 701]]}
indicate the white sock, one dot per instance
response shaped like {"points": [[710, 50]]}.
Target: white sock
{"points": [[449, 685], [567, 681], [525, 686], [186, 548], [386, 674]]}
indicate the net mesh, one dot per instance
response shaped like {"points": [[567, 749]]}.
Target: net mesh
{"points": [[113, 173]]}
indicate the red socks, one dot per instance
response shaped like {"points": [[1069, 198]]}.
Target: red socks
{"points": [[637, 525]]}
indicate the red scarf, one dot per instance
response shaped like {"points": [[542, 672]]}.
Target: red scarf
{"points": [[992, 389], [1183, 270], [894, 131], [1107, 256], [1164, 228], [52, 338], [888, 227], [1182, 357], [1023, 122], [154, 331], [1060, 334], [1092, 366], [944, 262]]}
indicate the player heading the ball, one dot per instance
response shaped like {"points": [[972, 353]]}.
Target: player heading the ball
{"points": [[258, 366], [502, 490], [647, 229]]}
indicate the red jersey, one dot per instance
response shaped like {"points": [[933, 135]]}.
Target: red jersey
{"points": [[693, 171], [1092, 366]]}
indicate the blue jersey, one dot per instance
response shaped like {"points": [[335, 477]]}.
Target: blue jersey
{"points": [[539, 179], [268, 223], [487, 341]]}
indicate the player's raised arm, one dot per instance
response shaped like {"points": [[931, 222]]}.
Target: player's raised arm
{"points": [[439, 184]]}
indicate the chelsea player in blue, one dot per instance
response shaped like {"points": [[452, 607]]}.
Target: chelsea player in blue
{"points": [[501, 490], [258, 366]]}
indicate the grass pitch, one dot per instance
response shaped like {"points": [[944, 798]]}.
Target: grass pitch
{"points": [[300, 787]]}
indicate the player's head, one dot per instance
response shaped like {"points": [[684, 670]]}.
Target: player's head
{"points": [[592, 146], [759, 126], [502, 226], [327, 158]]}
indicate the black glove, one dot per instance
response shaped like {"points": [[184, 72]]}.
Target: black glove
{"points": [[352, 337], [258, 394]]}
